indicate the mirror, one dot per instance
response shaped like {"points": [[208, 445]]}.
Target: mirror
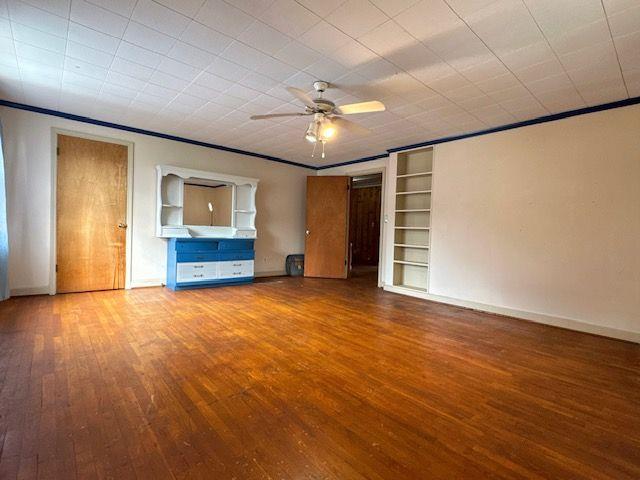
{"points": [[209, 205]]}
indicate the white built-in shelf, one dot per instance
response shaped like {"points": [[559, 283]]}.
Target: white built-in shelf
{"points": [[415, 192], [412, 228], [413, 210], [408, 175], [411, 287], [416, 264], [408, 245], [166, 205]]}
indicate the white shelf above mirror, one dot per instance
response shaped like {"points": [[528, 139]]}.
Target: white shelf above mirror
{"points": [[199, 203]]}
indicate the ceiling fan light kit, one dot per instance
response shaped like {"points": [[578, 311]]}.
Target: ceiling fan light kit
{"points": [[326, 115]]}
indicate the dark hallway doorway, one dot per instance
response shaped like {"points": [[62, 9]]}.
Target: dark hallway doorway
{"points": [[364, 224]]}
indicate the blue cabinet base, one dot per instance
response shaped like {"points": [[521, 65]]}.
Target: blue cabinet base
{"points": [[209, 262]]}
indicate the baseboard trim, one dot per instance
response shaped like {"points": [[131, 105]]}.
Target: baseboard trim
{"points": [[271, 273], [21, 292], [568, 323], [146, 283]]}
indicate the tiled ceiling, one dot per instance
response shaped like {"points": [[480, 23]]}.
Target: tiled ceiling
{"points": [[199, 68]]}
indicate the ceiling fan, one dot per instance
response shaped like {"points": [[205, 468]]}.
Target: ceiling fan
{"points": [[326, 114]]}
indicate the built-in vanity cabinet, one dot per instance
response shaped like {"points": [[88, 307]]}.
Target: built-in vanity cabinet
{"points": [[209, 219], [207, 262]]}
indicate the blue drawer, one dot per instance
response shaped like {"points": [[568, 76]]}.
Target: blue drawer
{"points": [[215, 256], [197, 246], [235, 245]]}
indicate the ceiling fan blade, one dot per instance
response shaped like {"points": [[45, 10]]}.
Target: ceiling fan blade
{"points": [[362, 107], [302, 96], [350, 126], [275, 115]]}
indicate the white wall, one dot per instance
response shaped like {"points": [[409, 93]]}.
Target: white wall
{"points": [[543, 219], [27, 138], [540, 222]]}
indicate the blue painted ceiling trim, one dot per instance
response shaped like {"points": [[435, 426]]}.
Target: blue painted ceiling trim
{"points": [[93, 121], [350, 162], [548, 118]]}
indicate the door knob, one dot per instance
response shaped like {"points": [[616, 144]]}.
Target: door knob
{"points": [[306, 232], [122, 225]]}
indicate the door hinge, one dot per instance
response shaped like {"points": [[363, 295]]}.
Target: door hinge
{"points": [[56, 268], [345, 261], [57, 150]]}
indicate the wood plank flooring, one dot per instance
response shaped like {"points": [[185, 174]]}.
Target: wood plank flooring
{"points": [[306, 379]]}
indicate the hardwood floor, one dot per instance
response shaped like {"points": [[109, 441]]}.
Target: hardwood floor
{"points": [[306, 378]]}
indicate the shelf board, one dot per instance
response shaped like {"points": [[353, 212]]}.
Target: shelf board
{"points": [[408, 175], [411, 287], [414, 192], [413, 210], [413, 228], [245, 211], [416, 264], [408, 245], [167, 205]]}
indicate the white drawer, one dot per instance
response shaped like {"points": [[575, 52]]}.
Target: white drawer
{"points": [[196, 271], [235, 269]]}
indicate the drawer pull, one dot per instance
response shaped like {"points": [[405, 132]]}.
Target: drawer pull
{"points": [[198, 266], [199, 275], [237, 264]]}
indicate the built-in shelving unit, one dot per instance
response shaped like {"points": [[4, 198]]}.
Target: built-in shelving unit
{"points": [[412, 224]]}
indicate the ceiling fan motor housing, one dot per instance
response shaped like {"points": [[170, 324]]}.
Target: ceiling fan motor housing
{"points": [[323, 105], [320, 86]]}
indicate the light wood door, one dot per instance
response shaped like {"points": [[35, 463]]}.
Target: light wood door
{"points": [[91, 212], [327, 233]]}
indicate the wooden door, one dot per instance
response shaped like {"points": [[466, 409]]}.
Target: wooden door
{"points": [[91, 212], [364, 225], [325, 251]]}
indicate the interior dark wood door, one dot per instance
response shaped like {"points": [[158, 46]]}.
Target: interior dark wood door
{"points": [[364, 225], [91, 212], [325, 252]]}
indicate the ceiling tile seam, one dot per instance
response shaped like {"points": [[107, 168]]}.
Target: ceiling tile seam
{"points": [[15, 51], [316, 14], [615, 47], [497, 57], [129, 20], [114, 55], [121, 40], [555, 54], [452, 67], [66, 46]]}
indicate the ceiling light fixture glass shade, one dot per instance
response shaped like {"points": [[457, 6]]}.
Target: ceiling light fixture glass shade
{"points": [[327, 130], [312, 132]]}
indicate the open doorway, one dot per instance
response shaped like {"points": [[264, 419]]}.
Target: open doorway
{"points": [[364, 225]]}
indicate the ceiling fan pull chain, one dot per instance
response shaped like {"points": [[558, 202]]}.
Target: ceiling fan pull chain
{"points": [[323, 142], [313, 153]]}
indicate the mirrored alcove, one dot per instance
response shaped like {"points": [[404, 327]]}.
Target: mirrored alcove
{"points": [[197, 203]]}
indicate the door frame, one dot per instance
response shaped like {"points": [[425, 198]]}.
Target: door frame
{"points": [[354, 171], [55, 131]]}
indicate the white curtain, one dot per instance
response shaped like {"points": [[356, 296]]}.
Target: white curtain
{"points": [[4, 237]]}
